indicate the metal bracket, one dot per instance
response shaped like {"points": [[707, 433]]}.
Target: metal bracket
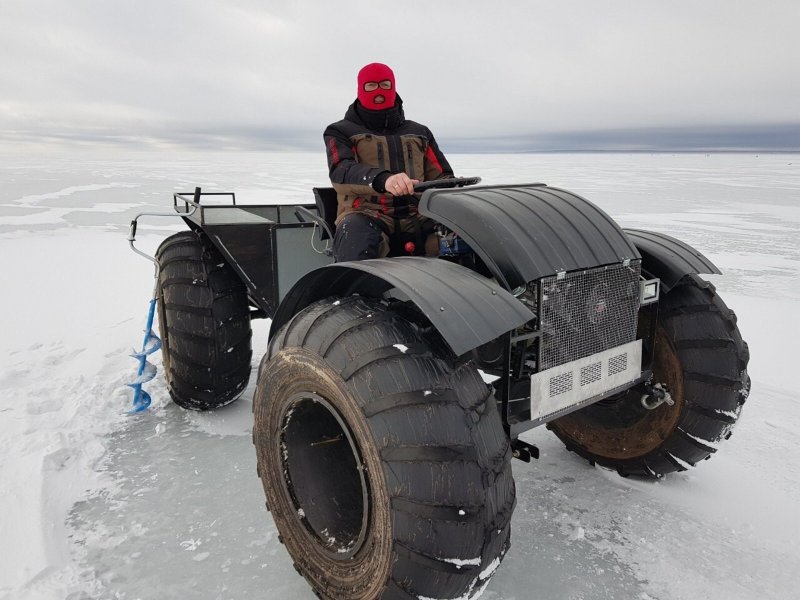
{"points": [[656, 396], [523, 450]]}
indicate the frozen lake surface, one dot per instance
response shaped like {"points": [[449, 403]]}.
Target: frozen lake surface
{"points": [[166, 504]]}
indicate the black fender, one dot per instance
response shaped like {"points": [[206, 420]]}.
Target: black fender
{"points": [[524, 232], [466, 308], [668, 258]]}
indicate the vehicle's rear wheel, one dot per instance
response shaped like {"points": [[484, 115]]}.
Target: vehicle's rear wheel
{"points": [[384, 463], [204, 320], [701, 360]]}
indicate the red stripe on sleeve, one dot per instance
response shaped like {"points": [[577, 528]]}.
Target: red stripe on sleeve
{"points": [[429, 154], [334, 152]]}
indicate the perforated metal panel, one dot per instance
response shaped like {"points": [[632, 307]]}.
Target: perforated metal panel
{"points": [[586, 312], [591, 373], [566, 387]]}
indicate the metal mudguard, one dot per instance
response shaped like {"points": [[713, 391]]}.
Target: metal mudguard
{"points": [[668, 258], [466, 308], [524, 232]]}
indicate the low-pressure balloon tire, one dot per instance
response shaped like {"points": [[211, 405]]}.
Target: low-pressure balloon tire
{"points": [[701, 359], [204, 321], [383, 460]]}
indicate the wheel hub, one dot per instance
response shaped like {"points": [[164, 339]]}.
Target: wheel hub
{"points": [[624, 426], [323, 475]]}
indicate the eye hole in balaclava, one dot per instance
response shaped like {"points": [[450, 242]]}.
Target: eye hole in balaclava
{"points": [[376, 88]]}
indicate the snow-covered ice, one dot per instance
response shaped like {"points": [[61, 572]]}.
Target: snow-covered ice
{"points": [[166, 504]]}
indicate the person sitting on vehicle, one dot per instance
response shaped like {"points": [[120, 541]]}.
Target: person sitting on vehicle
{"points": [[375, 156]]}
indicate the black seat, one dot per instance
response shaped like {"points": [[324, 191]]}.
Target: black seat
{"points": [[327, 206]]}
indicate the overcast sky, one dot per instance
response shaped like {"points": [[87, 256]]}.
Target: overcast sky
{"points": [[517, 75]]}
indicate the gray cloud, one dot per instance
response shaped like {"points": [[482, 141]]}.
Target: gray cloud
{"points": [[611, 74]]}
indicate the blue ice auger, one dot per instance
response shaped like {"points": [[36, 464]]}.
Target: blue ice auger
{"points": [[151, 343], [147, 370]]}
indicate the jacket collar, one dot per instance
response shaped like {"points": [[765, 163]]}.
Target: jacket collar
{"points": [[377, 120]]}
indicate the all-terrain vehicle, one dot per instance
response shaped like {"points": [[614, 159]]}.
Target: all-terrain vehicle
{"points": [[391, 398]]}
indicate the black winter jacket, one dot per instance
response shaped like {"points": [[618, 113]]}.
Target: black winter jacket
{"points": [[366, 147]]}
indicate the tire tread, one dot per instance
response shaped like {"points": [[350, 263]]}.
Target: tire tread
{"points": [[204, 318], [456, 437]]}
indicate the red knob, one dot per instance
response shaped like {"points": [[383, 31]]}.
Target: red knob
{"points": [[410, 247]]}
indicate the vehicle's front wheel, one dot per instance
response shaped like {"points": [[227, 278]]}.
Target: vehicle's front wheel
{"points": [[384, 463], [701, 360]]}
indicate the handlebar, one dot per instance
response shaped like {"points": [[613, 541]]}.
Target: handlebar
{"points": [[446, 183]]}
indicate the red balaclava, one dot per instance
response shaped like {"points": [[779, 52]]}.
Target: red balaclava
{"points": [[379, 98]]}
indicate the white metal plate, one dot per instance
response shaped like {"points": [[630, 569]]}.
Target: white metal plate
{"points": [[564, 386]]}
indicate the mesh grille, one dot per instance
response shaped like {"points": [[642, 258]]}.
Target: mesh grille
{"points": [[586, 312]]}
